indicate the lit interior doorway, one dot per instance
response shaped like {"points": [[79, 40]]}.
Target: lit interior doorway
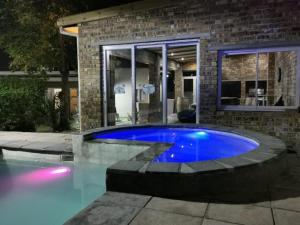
{"points": [[151, 83]]}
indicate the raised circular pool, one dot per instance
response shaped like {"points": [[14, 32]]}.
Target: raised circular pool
{"points": [[186, 144], [187, 160]]}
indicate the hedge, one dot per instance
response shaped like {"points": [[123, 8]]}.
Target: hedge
{"points": [[22, 102]]}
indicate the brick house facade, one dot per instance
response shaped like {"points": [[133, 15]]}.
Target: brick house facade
{"points": [[218, 23]]}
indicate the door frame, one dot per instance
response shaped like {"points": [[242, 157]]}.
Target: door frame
{"points": [[194, 78], [133, 47]]}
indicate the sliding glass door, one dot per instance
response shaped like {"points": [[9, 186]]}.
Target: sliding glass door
{"points": [[143, 83], [149, 77], [119, 87]]}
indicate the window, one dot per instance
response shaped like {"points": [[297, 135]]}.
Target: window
{"points": [[259, 79]]}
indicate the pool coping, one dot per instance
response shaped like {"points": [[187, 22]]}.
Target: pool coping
{"points": [[269, 148]]}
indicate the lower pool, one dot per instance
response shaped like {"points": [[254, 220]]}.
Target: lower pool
{"points": [[188, 144], [38, 193]]}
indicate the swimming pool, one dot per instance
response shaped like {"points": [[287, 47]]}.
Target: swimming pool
{"points": [[38, 193], [188, 144]]}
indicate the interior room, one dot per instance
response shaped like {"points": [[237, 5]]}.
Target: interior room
{"points": [[181, 84], [271, 74]]}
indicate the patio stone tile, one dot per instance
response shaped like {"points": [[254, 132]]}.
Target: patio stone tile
{"points": [[16, 144], [240, 214], [206, 166], [108, 215], [178, 206], [258, 156], [154, 217], [234, 162], [215, 222], [125, 165], [60, 147], [123, 199], [285, 217], [285, 199], [186, 169], [164, 167], [37, 145], [3, 142]]}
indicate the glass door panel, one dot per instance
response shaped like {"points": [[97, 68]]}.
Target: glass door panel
{"points": [[181, 89], [119, 87], [149, 97]]}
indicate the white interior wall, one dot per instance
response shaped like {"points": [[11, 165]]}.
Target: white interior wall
{"points": [[123, 76]]}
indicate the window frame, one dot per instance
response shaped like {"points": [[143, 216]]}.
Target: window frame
{"points": [[257, 51]]}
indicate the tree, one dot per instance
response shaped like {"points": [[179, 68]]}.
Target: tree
{"points": [[28, 33]]}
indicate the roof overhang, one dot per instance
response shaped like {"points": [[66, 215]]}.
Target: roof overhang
{"points": [[69, 31]]}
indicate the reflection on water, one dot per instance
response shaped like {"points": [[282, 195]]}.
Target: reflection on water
{"points": [[49, 194], [6, 183]]}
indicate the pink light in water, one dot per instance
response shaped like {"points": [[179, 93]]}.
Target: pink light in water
{"points": [[60, 170], [42, 176]]}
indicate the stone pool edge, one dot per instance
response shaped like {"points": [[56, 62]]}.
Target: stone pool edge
{"points": [[269, 148], [140, 175]]}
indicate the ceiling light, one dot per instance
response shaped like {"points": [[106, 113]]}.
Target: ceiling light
{"points": [[182, 59]]}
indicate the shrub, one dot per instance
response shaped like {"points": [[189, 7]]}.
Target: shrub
{"points": [[22, 103]]}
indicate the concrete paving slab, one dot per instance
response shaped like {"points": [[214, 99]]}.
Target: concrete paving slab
{"points": [[177, 206], [235, 162], [23, 141], [285, 199], [153, 217], [124, 165], [284, 217], [163, 167], [240, 214], [59, 147], [215, 222], [108, 215], [124, 199], [37, 145], [186, 169], [16, 144], [206, 166], [3, 142]]}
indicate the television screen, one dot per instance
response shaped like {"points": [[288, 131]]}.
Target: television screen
{"points": [[231, 89]]}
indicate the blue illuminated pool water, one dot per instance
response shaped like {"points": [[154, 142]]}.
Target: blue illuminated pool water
{"points": [[189, 144]]}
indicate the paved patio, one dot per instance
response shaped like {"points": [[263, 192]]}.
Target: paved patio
{"points": [[280, 206], [51, 143]]}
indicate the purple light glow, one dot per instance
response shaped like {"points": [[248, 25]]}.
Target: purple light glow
{"points": [[43, 175]]}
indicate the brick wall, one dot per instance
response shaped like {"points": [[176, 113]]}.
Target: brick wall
{"points": [[228, 22], [286, 61]]}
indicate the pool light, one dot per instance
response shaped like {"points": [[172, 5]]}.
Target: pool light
{"points": [[201, 133], [60, 170], [42, 175]]}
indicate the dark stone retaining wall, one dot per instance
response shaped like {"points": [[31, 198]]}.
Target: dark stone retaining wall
{"points": [[226, 22], [248, 174]]}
